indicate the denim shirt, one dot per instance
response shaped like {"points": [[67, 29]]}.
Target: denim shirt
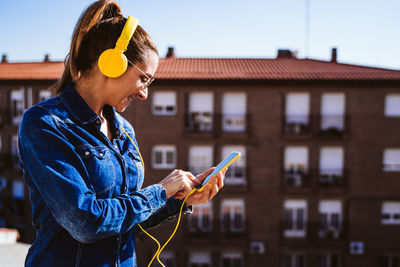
{"points": [[86, 191]]}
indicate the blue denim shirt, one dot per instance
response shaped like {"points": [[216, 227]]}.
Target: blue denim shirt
{"points": [[86, 191]]}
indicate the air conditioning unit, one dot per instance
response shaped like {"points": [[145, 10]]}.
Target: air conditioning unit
{"points": [[356, 248], [257, 247]]}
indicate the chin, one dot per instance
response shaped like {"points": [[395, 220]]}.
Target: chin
{"points": [[121, 109]]}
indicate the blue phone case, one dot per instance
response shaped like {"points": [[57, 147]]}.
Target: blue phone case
{"points": [[223, 164]]}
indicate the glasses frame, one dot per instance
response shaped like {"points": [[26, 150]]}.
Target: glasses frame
{"points": [[149, 79]]}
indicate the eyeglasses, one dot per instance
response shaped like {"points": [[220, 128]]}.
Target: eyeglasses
{"points": [[149, 80]]}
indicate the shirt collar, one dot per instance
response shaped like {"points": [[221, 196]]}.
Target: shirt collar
{"points": [[77, 106], [81, 111]]}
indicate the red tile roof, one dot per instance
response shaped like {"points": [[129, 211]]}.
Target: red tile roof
{"points": [[222, 69]]}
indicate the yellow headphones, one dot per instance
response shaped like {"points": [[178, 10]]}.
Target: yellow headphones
{"points": [[112, 62]]}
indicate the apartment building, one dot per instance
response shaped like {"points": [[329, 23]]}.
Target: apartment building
{"points": [[316, 185]]}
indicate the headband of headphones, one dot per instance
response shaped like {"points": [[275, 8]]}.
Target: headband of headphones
{"points": [[112, 62]]}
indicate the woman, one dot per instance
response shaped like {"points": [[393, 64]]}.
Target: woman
{"points": [[84, 173]]}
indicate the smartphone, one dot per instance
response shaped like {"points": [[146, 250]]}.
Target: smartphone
{"points": [[222, 165]]}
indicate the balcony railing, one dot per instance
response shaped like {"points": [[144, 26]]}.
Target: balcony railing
{"points": [[330, 126], [314, 231], [200, 122], [234, 123], [217, 124], [296, 178], [333, 125], [315, 179], [332, 178], [219, 229], [236, 175], [296, 125]]}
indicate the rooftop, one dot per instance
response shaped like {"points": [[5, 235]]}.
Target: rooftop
{"points": [[174, 68]]}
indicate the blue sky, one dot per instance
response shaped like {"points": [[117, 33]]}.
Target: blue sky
{"points": [[365, 32]]}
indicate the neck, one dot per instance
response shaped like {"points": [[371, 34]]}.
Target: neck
{"points": [[91, 89]]}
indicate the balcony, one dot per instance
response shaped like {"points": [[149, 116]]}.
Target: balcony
{"points": [[296, 178], [229, 125], [221, 231], [200, 122], [312, 232], [323, 126], [333, 178], [235, 123], [236, 175], [333, 126]]}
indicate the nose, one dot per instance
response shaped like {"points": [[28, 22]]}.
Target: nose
{"points": [[142, 94]]}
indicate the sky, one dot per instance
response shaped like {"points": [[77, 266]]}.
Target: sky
{"points": [[365, 32]]}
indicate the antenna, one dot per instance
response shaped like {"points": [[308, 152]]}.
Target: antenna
{"points": [[307, 25]]}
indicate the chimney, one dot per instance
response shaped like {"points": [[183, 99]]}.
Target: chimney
{"points": [[334, 55], [46, 58], [171, 52], [4, 58], [286, 53]]}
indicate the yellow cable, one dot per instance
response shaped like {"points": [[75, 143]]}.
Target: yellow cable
{"points": [[158, 243], [176, 227], [158, 252], [140, 155]]}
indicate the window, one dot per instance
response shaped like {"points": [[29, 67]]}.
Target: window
{"points": [[168, 258], [201, 218], [391, 212], [295, 218], [294, 260], [330, 219], [14, 151], [164, 157], [331, 165], [164, 103], [297, 113], [200, 112], [200, 159], [236, 173], [232, 260], [329, 260], [391, 159], [17, 105], [200, 260], [332, 111], [296, 166], [44, 94], [392, 105], [234, 112], [233, 215], [18, 190]]}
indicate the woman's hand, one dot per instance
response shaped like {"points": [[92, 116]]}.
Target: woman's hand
{"points": [[210, 189], [178, 180]]}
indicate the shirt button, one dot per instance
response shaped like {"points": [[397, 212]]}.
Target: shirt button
{"points": [[101, 154], [97, 121], [125, 188], [117, 132], [87, 153]]}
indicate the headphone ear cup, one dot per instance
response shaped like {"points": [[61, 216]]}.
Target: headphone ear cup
{"points": [[112, 63]]}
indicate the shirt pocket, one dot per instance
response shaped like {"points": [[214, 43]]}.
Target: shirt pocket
{"points": [[99, 166], [137, 172]]}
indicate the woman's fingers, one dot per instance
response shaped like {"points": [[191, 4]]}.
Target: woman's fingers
{"points": [[203, 175]]}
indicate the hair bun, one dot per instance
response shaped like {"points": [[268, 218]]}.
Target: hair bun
{"points": [[111, 10]]}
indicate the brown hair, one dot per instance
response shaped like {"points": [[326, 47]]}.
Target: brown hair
{"points": [[97, 30]]}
